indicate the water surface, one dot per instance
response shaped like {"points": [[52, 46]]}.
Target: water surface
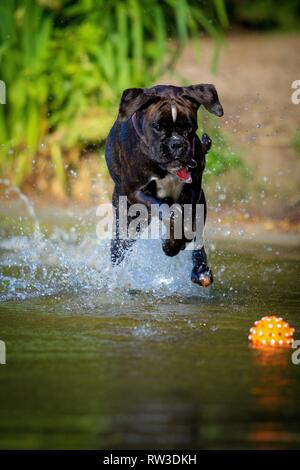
{"points": [[138, 357]]}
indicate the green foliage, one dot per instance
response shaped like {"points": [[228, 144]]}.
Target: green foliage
{"points": [[65, 64], [25, 33], [266, 14], [123, 44], [297, 143], [221, 156]]}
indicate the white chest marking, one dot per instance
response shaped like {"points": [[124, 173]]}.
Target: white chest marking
{"points": [[169, 186]]}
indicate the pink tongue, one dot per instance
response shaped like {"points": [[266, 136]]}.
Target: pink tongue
{"points": [[184, 175]]}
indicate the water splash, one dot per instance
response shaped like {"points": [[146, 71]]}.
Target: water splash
{"points": [[63, 265], [75, 262], [27, 203]]}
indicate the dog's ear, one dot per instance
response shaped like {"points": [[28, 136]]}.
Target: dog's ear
{"points": [[205, 94], [133, 99]]}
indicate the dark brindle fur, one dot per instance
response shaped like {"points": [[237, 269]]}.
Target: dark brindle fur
{"points": [[154, 138]]}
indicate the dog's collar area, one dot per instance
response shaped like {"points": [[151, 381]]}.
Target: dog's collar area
{"points": [[192, 164]]}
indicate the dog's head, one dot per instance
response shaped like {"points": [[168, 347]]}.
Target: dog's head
{"points": [[167, 119]]}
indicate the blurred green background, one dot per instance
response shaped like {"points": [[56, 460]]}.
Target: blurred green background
{"points": [[65, 64]]}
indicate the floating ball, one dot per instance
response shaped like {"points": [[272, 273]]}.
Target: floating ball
{"points": [[272, 332]]}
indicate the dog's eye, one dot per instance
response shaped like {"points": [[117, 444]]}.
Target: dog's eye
{"points": [[184, 128]]}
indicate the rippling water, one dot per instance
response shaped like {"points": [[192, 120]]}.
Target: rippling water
{"points": [[138, 356]]}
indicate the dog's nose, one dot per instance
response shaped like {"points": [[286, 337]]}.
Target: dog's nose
{"points": [[176, 143]]}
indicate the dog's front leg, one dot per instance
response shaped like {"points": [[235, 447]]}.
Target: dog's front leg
{"points": [[119, 244], [170, 216], [141, 197], [201, 273]]}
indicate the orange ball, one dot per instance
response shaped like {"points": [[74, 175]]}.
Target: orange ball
{"points": [[272, 332]]}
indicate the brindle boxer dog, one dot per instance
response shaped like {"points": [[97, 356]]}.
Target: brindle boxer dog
{"points": [[155, 157]]}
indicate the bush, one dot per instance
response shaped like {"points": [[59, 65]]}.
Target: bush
{"points": [[65, 64], [266, 14]]}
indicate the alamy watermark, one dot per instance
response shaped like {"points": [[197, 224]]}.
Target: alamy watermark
{"points": [[2, 352], [295, 96], [174, 221], [296, 354], [2, 92]]}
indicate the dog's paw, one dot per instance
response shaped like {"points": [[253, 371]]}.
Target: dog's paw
{"points": [[206, 143], [202, 277], [172, 247]]}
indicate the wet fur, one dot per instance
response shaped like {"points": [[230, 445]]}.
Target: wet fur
{"points": [[140, 167]]}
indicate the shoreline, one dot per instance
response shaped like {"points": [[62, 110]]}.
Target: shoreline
{"points": [[226, 225]]}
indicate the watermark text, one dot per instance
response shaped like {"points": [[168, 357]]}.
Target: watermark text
{"points": [[2, 352]]}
